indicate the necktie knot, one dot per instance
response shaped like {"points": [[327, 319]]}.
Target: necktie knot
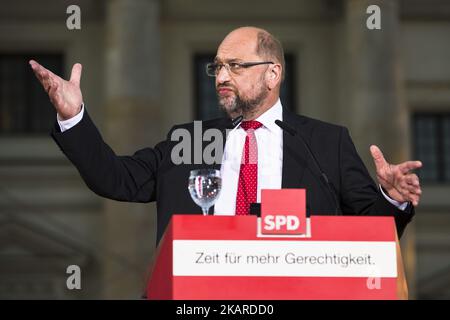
{"points": [[252, 124]]}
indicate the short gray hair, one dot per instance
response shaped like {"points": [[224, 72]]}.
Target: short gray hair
{"points": [[270, 47]]}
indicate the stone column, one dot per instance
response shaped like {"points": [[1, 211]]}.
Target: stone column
{"points": [[132, 118], [373, 106]]}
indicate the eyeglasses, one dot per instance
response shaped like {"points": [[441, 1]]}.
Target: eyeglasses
{"points": [[213, 69]]}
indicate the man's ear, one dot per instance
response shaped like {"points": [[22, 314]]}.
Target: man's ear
{"points": [[273, 75]]}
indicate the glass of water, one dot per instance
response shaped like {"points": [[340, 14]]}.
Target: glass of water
{"points": [[204, 187]]}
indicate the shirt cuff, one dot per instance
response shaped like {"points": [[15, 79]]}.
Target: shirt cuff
{"points": [[65, 125], [400, 205]]}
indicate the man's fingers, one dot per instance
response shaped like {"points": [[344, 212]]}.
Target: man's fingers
{"points": [[410, 193], [34, 65], [49, 82], [53, 95], [414, 190], [37, 68], [75, 76], [409, 187], [38, 72], [410, 196], [45, 80], [414, 199], [45, 76], [412, 179], [407, 166], [409, 184], [378, 157], [53, 90]]}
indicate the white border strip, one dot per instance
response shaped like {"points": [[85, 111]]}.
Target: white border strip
{"points": [[270, 258]]}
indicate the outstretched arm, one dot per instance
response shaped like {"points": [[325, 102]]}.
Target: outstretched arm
{"points": [[124, 178], [359, 193]]}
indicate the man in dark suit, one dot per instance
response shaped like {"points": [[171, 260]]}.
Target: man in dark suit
{"points": [[248, 69]]}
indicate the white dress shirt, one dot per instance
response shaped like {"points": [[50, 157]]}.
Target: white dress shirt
{"points": [[270, 158]]}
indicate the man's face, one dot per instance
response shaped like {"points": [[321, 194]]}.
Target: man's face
{"points": [[244, 91]]}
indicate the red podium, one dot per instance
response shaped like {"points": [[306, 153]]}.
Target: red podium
{"points": [[219, 257]]}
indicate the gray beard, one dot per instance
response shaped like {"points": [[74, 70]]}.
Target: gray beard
{"points": [[245, 107]]}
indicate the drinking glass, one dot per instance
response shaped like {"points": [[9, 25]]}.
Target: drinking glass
{"points": [[204, 187]]}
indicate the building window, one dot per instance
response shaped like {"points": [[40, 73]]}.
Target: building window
{"points": [[431, 136], [24, 105], [206, 105]]}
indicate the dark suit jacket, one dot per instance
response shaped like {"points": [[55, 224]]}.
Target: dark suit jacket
{"points": [[150, 175]]}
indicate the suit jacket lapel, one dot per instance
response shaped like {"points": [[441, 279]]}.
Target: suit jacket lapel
{"points": [[295, 158], [222, 124]]}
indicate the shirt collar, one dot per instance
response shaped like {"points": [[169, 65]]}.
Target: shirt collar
{"points": [[268, 118]]}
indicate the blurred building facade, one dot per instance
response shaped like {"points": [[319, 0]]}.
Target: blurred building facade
{"points": [[142, 73]]}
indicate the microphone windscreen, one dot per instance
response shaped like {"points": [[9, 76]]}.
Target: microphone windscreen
{"points": [[255, 209]]}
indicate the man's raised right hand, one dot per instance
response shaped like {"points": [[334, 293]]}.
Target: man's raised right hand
{"points": [[65, 95]]}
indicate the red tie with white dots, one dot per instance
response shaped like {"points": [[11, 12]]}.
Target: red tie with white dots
{"points": [[248, 175]]}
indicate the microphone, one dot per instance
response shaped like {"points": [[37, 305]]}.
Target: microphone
{"points": [[236, 121], [328, 183], [255, 209]]}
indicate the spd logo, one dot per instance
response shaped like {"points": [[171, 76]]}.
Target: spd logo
{"points": [[283, 212]]}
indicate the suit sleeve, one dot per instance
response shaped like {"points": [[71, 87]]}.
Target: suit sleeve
{"points": [[124, 178], [359, 194]]}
